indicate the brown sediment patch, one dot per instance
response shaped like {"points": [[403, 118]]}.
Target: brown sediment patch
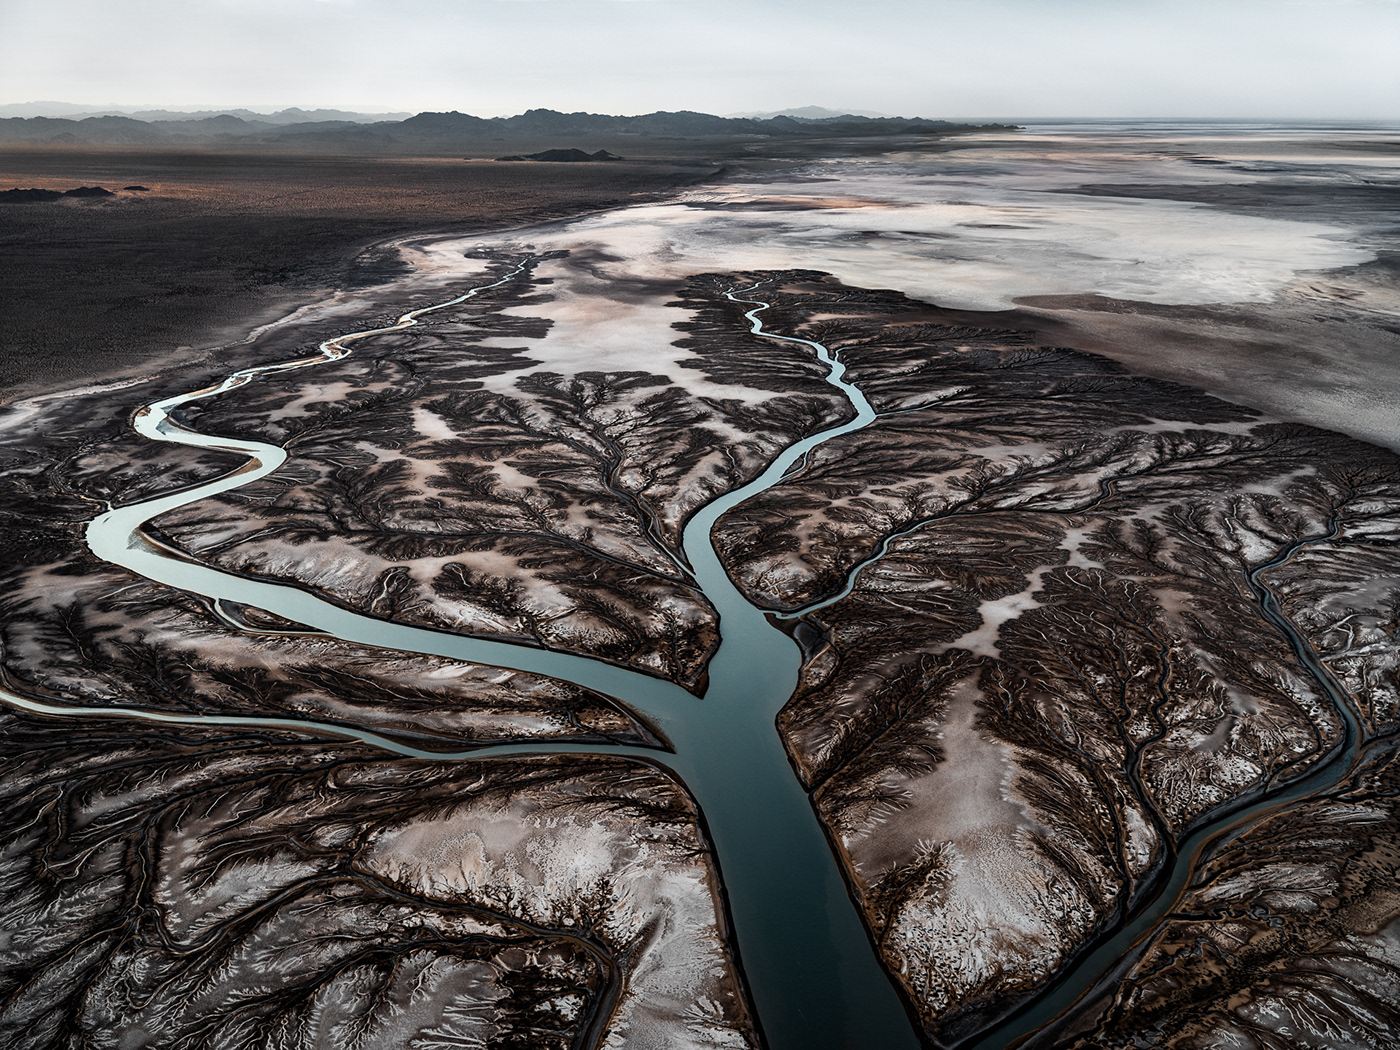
{"points": [[1288, 936]]}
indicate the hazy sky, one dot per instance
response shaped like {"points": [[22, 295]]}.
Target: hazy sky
{"points": [[1268, 58]]}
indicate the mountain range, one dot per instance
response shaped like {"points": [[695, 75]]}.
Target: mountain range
{"points": [[451, 131], [291, 115]]}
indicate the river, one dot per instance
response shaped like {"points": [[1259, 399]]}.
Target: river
{"points": [[814, 978]]}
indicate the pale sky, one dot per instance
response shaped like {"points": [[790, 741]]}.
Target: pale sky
{"points": [[934, 58]]}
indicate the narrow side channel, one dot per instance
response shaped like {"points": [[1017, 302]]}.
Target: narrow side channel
{"points": [[1095, 971]]}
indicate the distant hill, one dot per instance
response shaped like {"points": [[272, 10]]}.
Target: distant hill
{"points": [[811, 113], [451, 131], [23, 196], [558, 156], [292, 115], [282, 116]]}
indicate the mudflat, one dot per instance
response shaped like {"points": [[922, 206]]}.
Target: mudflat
{"points": [[1073, 500]]}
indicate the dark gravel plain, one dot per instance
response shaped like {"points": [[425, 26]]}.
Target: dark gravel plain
{"points": [[222, 241]]}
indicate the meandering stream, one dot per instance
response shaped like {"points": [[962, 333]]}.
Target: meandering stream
{"points": [[815, 981]]}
